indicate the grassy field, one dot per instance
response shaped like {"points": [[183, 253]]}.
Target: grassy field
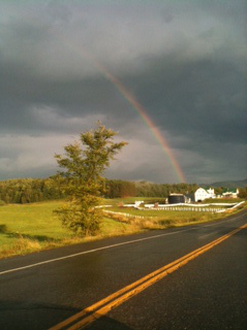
{"points": [[33, 227], [26, 228], [152, 219]]}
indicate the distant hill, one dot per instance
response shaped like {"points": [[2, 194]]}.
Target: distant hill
{"points": [[230, 184]]}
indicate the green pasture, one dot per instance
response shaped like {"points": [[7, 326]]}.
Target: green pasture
{"points": [[160, 219], [181, 214], [32, 220], [26, 228], [163, 218]]}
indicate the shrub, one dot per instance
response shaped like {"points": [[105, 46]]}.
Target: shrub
{"points": [[3, 228]]}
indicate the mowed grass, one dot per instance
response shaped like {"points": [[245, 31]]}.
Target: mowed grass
{"points": [[161, 219], [166, 214], [29, 227], [33, 227], [32, 219]]}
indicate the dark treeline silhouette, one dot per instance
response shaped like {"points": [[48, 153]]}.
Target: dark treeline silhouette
{"points": [[35, 190], [118, 188], [147, 189], [31, 190]]}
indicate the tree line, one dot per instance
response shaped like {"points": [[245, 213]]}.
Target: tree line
{"points": [[23, 191], [120, 189]]}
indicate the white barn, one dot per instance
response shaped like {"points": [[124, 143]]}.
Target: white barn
{"points": [[202, 194]]}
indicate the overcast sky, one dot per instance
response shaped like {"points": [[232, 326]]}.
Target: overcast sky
{"points": [[183, 61]]}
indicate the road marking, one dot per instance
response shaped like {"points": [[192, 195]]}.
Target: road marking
{"points": [[101, 308], [91, 251], [105, 248]]}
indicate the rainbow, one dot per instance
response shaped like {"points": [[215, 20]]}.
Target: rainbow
{"points": [[132, 101], [145, 118]]}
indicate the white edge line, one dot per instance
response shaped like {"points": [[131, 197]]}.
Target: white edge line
{"points": [[89, 251], [105, 248]]}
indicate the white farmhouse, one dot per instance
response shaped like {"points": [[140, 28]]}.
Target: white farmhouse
{"points": [[231, 193], [202, 194]]}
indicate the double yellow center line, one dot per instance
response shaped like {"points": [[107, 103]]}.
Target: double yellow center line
{"points": [[95, 311]]}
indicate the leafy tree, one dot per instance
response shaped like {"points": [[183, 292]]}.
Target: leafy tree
{"points": [[84, 162], [243, 193], [119, 188]]}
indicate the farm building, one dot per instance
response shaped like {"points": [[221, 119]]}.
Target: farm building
{"points": [[231, 193], [176, 198], [202, 194]]}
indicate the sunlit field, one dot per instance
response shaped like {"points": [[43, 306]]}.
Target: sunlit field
{"points": [[26, 228]]}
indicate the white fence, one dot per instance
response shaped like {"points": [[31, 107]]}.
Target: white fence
{"points": [[179, 207], [190, 209], [127, 215]]}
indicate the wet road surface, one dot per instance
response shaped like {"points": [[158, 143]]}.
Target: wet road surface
{"points": [[41, 290]]}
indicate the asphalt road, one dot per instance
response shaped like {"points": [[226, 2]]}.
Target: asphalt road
{"points": [[41, 290]]}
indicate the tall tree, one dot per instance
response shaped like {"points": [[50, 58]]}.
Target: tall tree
{"points": [[84, 162]]}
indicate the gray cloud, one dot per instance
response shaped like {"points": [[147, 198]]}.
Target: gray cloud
{"points": [[184, 62], [196, 98]]}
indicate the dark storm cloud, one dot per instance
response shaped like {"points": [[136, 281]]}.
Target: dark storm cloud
{"points": [[183, 61], [26, 96], [202, 99]]}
